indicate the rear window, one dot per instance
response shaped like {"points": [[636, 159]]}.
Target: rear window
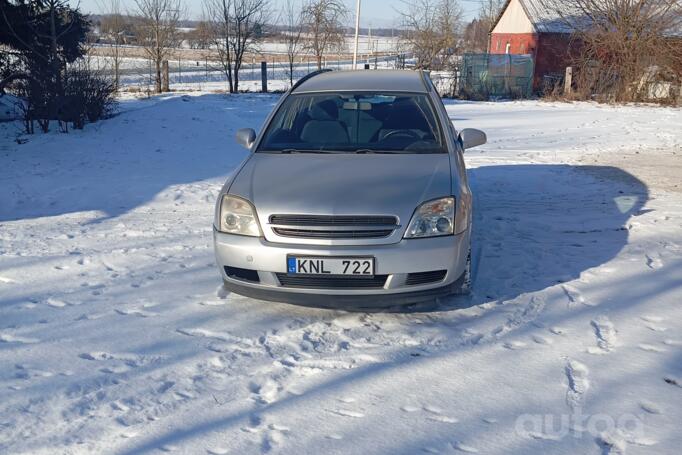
{"points": [[354, 122]]}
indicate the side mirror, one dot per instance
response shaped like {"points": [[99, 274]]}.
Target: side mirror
{"points": [[246, 137], [472, 138]]}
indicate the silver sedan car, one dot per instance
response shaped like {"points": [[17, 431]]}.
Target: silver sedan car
{"points": [[355, 193]]}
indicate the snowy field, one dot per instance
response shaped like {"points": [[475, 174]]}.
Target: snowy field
{"points": [[116, 335], [202, 75]]}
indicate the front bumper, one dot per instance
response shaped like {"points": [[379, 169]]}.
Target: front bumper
{"points": [[394, 260]]}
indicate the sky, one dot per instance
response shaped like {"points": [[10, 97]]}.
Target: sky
{"points": [[376, 13]]}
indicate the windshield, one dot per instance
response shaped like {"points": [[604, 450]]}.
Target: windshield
{"points": [[354, 122]]}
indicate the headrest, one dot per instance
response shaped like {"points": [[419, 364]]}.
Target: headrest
{"points": [[325, 110]]}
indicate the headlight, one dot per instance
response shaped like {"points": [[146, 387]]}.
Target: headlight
{"points": [[238, 216], [432, 219]]}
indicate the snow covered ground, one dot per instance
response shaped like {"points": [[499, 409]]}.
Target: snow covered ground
{"points": [[116, 335]]}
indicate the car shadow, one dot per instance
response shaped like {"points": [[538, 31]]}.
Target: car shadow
{"points": [[539, 225]]}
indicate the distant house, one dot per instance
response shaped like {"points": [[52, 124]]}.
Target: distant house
{"points": [[528, 27]]}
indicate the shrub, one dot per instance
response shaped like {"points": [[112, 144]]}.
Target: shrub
{"points": [[88, 96]]}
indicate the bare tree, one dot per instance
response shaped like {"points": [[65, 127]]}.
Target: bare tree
{"points": [[237, 28], [157, 31], [250, 17], [323, 20], [220, 24], [292, 18], [477, 32], [621, 46], [114, 26], [200, 37], [432, 30], [490, 9]]}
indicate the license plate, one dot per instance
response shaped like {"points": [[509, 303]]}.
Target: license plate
{"points": [[340, 266]]}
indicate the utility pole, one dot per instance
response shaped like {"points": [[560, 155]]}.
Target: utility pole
{"points": [[370, 47], [357, 32]]}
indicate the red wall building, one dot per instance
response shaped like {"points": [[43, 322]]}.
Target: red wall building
{"points": [[527, 27]]}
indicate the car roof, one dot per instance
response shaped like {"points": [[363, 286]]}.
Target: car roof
{"points": [[364, 80]]}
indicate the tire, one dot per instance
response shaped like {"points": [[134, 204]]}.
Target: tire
{"points": [[463, 284]]}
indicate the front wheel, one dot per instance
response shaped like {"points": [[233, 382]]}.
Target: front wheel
{"points": [[463, 284]]}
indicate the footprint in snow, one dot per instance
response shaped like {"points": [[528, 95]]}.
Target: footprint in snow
{"points": [[605, 332], [574, 295], [651, 408], [409, 408], [578, 383], [116, 369], [442, 419], [673, 381], [650, 348], [347, 413], [56, 303], [255, 424], [515, 345], [653, 262], [278, 427], [218, 451], [437, 415], [118, 406], [183, 395], [9, 338], [266, 392], [539, 339], [139, 312], [655, 327], [212, 302], [131, 360], [83, 261], [458, 445], [271, 441], [433, 409], [611, 443], [25, 372]]}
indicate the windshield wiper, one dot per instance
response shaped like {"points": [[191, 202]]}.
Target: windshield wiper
{"points": [[384, 152], [303, 151]]}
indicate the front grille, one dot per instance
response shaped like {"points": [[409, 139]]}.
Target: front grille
{"points": [[314, 234], [414, 279], [325, 282], [333, 220], [333, 226]]}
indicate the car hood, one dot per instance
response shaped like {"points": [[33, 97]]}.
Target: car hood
{"points": [[341, 184]]}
